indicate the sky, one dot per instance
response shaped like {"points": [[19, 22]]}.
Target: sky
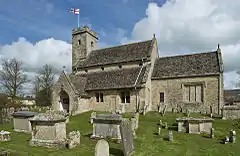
{"points": [[39, 32]]}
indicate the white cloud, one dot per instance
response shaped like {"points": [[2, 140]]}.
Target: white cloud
{"points": [[185, 26], [49, 51], [34, 56]]}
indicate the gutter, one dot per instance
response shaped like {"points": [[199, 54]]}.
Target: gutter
{"points": [[137, 106]]}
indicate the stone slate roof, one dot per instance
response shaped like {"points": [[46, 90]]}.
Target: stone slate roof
{"points": [[119, 54], [201, 64], [79, 82], [232, 95], [115, 79]]}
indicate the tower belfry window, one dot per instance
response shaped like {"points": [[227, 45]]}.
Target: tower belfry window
{"points": [[92, 44], [79, 42]]}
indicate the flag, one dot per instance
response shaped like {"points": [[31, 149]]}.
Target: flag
{"points": [[75, 11]]}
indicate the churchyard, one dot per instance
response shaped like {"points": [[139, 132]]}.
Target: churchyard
{"points": [[151, 138]]}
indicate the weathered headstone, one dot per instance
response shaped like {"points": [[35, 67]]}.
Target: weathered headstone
{"points": [[159, 130], [160, 123], [165, 125], [226, 140], [170, 136], [127, 138], [5, 136], [93, 115], [212, 133], [232, 137], [73, 139], [136, 116], [133, 126], [102, 148]]}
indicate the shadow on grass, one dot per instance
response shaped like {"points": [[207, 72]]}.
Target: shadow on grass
{"points": [[155, 133], [175, 124], [165, 139], [88, 135], [173, 128], [116, 152], [205, 136], [222, 141]]}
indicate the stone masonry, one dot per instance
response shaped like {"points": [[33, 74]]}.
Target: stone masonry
{"points": [[137, 68]]}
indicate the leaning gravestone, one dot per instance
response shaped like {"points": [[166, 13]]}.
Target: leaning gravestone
{"points": [[102, 148], [127, 138]]}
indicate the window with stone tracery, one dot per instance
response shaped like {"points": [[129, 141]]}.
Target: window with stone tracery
{"points": [[193, 93]]}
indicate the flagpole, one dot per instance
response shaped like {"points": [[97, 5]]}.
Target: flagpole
{"points": [[78, 20]]}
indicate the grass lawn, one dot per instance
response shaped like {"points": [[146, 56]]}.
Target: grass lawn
{"points": [[146, 144]]}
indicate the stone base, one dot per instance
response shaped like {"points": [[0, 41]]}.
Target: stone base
{"points": [[48, 143], [21, 130]]}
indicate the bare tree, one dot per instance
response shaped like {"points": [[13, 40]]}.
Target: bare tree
{"points": [[43, 85], [12, 77]]}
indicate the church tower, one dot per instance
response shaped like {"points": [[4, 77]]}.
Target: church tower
{"points": [[84, 41]]}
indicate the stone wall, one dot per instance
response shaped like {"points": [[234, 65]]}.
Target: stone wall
{"points": [[63, 84], [148, 85], [231, 112], [112, 101], [81, 43], [174, 93]]}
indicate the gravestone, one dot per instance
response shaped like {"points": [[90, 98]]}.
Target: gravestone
{"points": [[170, 136], [160, 123], [136, 116], [107, 125], [73, 139], [159, 130], [5, 136], [165, 125], [127, 138], [133, 126], [232, 137], [102, 148], [226, 140], [212, 133], [93, 115]]}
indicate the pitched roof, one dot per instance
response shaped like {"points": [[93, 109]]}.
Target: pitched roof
{"points": [[79, 82], [200, 64], [119, 54], [232, 95], [115, 79]]}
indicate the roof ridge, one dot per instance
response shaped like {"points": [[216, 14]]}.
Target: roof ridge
{"points": [[193, 54], [123, 45]]}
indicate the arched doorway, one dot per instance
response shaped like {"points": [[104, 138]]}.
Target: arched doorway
{"points": [[64, 101]]}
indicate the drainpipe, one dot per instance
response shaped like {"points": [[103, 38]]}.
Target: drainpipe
{"points": [[137, 109]]}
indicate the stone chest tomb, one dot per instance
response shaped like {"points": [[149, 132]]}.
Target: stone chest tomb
{"points": [[107, 125], [194, 125], [21, 121], [49, 130]]}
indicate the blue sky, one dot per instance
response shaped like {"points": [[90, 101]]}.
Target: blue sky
{"points": [[36, 20], [38, 32]]}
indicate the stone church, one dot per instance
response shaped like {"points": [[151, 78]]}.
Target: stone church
{"points": [[134, 77]]}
